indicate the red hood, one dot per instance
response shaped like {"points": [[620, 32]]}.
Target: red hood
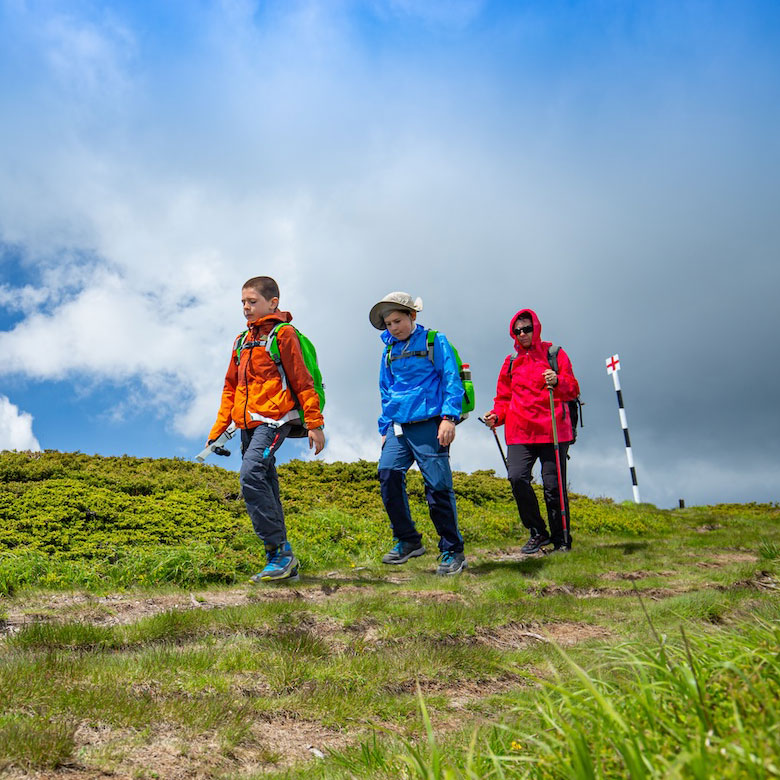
{"points": [[536, 337]]}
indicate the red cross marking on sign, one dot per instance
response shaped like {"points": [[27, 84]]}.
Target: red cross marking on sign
{"points": [[613, 363]]}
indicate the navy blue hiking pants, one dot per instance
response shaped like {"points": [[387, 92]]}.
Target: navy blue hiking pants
{"points": [[260, 484], [520, 460], [419, 443]]}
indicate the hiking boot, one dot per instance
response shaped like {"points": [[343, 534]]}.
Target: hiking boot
{"points": [[559, 548], [403, 551], [535, 543], [451, 563], [281, 565]]}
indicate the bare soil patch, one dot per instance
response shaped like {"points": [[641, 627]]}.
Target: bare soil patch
{"points": [[719, 560], [595, 593], [514, 635], [634, 576], [127, 754], [464, 692], [124, 608], [511, 554], [763, 580]]}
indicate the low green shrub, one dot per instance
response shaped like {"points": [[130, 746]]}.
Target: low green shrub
{"points": [[69, 519]]}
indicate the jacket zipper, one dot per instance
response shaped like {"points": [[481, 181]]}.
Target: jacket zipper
{"points": [[246, 383]]}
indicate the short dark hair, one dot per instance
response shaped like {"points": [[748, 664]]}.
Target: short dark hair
{"points": [[265, 285], [408, 312]]}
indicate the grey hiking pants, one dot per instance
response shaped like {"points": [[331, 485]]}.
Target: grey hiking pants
{"points": [[260, 484]]}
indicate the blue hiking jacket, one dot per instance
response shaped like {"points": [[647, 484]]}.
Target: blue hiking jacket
{"points": [[413, 388]]}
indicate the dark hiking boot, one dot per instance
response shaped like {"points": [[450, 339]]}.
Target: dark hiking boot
{"points": [[559, 548], [451, 563], [281, 565], [403, 551], [535, 543]]}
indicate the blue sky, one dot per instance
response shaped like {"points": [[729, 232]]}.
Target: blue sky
{"points": [[612, 165]]}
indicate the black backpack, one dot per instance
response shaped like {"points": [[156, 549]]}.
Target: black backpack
{"points": [[574, 407]]}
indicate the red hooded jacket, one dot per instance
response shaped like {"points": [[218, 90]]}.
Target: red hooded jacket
{"points": [[522, 402]]}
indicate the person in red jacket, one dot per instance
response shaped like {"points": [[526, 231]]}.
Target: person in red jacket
{"points": [[264, 406], [522, 406]]}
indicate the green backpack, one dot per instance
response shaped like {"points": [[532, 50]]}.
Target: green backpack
{"points": [[309, 353], [464, 370]]}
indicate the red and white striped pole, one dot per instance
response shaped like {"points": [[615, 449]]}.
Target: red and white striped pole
{"points": [[613, 366]]}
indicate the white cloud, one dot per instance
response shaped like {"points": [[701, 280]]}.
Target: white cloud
{"points": [[145, 179], [16, 428], [348, 439], [26, 298], [88, 55]]}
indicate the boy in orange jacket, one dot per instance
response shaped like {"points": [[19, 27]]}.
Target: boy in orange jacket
{"points": [[264, 404]]}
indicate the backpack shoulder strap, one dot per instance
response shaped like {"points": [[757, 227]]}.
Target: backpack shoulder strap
{"points": [[238, 345], [427, 352], [430, 338], [552, 357], [272, 345]]}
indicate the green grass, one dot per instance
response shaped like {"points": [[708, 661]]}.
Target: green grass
{"points": [[651, 651], [35, 742]]}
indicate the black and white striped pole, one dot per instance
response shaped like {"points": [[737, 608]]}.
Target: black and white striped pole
{"points": [[613, 366]]}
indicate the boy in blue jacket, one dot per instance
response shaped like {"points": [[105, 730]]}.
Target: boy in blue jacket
{"points": [[422, 396]]}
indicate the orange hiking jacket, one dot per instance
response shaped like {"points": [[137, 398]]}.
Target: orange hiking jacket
{"points": [[253, 383]]}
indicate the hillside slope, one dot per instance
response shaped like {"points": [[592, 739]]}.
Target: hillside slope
{"points": [[72, 519], [132, 645]]}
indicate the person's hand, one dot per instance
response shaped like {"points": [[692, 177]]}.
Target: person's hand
{"points": [[446, 432], [490, 420], [317, 440], [550, 378]]}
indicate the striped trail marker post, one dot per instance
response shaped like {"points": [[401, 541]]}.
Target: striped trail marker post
{"points": [[613, 366]]}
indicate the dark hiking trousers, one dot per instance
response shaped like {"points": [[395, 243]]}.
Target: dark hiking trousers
{"points": [[260, 484], [520, 461], [419, 443]]}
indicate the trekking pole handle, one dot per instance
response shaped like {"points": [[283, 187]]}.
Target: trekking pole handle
{"points": [[498, 442], [216, 446]]}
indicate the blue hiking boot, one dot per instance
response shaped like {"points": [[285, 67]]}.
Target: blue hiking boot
{"points": [[451, 563], [281, 565], [403, 551]]}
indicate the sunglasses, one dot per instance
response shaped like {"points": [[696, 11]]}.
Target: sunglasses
{"points": [[524, 329]]}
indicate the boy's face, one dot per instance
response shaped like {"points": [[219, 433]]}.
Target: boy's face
{"points": [[255, 306], [400, 324]]}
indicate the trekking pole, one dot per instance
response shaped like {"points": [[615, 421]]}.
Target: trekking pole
{"points": [[564, 519], [216, 446], [498, 442]]}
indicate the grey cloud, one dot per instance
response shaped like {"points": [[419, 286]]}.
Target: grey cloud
{"points": [[628, 218]]}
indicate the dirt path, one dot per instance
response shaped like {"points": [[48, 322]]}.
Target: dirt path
{"points": [[129, 607]]}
